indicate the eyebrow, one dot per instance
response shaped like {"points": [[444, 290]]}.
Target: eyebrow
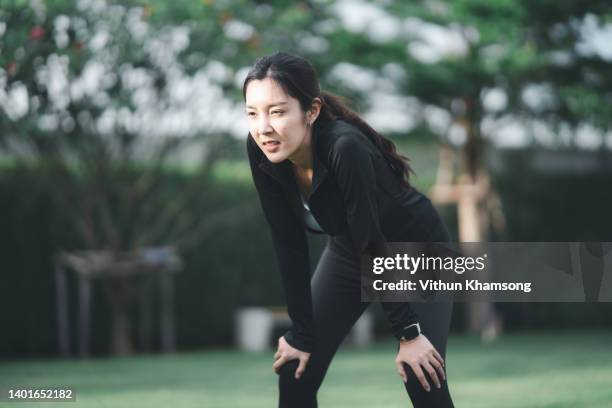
{"points": [[272, 104]]}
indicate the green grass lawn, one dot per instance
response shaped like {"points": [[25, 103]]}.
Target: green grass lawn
{"points": [[554, 369]]}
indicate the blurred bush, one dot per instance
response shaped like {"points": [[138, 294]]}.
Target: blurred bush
{"points": [[230, 261]]}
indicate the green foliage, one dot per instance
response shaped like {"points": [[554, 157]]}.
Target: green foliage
{"points": [[505, 45], [212, 285], [559, 206], [229, 258], [73, 186], [92, 171], [91, 163]]}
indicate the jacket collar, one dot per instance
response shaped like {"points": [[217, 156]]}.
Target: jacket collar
{"points": [[283, 171]]}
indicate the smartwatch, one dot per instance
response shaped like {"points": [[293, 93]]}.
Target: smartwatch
{"points": [[410, 332]]}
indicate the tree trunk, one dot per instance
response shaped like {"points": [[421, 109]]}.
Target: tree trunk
{"points": [[121, 294], [473, 217]]}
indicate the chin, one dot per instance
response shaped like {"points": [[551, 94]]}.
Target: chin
{"points": [[276, 158]]}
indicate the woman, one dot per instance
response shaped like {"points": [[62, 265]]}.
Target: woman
{"points": [[317, 166]]}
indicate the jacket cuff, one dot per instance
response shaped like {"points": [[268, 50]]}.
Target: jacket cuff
{"points": [[296, 342], [397, 331], [399, 315]]}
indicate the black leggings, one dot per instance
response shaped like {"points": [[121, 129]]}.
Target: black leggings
{"points": [[336, 297]]}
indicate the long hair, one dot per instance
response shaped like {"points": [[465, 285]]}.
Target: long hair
{"points": [[298, 78]]}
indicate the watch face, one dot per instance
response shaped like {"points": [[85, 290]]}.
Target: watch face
{"points": [[410, 332]]}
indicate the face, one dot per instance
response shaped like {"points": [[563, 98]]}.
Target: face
{"points": [[276, 121]]}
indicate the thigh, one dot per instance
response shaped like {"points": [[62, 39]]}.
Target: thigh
{"points": [[336, 301], [435, 316], [435, 319]]}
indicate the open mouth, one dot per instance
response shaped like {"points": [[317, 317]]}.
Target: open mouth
{"points": [[271, 146]]}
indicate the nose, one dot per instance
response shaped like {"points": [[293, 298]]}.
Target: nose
{"points": [[264, 125]]}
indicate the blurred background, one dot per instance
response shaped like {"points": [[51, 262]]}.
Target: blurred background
{"points": [[133, 241]]}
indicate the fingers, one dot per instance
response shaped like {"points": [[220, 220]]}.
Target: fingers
{"points": [[432, 373], [438, 357], [279, 357], [439, 368], [301, 368], [401, 371], [418, 371], [279, 362], [421, 357], [282, 358]]}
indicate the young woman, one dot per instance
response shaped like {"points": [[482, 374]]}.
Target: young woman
{"points": [[318, 166]]}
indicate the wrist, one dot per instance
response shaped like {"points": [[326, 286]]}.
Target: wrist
{"points": [[409, 333], [408, 342]]}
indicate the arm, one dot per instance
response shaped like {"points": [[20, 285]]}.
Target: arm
{"points": [[291, 248], [353, 166]]}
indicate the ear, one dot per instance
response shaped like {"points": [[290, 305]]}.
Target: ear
{"points": [[314, 111]]}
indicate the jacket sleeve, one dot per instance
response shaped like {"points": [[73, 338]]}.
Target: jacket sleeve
{"points": [[291, 247], [353, 165]]}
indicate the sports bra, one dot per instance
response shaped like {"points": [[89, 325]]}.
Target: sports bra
{"points": [[309, 219]]}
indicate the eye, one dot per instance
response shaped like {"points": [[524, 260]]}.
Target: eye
{"points": [[277, 112], [250, 113]]}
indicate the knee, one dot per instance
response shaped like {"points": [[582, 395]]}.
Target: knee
{"points": [[301, 391], [413, 383], [286, 372], [287, 380], [436, 397]]}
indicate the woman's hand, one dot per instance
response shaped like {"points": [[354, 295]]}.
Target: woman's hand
{"points": [[420, 355], [286, 353]]}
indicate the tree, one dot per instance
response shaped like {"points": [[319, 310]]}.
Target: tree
{"points": [[104, 96], [479, 64]]}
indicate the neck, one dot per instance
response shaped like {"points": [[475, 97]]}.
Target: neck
{"points": [[302, 158]]}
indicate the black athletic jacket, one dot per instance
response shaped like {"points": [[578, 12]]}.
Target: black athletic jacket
{"points": [[354, 193]]}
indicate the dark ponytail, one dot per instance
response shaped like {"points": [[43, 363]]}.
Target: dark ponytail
{"points": [[298, 79], [336, 108]]}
